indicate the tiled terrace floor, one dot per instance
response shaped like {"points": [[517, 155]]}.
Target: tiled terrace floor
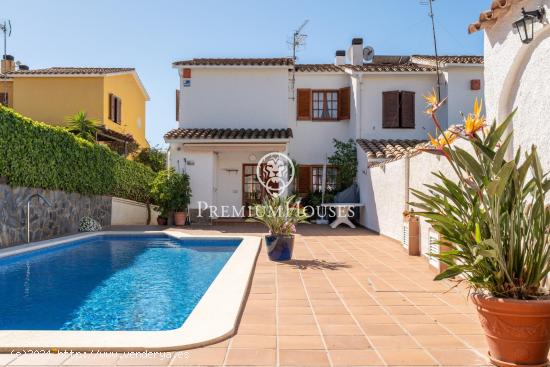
{"points": [[349, 298]]}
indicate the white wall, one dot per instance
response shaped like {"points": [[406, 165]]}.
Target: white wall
{"points": [[383, 193], [313, 140], [201, 172], [235, 98], [371, 104], [128, 212], [460, 96], [517, 75]]}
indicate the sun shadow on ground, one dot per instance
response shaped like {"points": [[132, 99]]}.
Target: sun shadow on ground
{"points": [[315, 264]]}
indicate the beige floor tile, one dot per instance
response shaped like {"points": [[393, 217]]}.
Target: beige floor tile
{"points": [[311, 329], [94, 359], [40, 359], [303, 358], [407, 357], [141, 359], [355, 358], [439, 341], [458, 357], [251, 357], [202, 357], [257, 329], [254, 341], [340, 330], [301, 342], [348, 342], [6, 358], [383, 329], [393, 342]]}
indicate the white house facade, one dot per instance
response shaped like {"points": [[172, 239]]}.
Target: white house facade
{"points": [[231, 112], [518, 73]]}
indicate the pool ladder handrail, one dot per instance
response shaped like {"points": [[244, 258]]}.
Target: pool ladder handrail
{"points": [[46, 202]]}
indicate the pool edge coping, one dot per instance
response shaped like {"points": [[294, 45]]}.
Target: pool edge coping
{"points": [[208, 323]]}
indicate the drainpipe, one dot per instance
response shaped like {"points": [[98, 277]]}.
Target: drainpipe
{"points": [[407, 181]]}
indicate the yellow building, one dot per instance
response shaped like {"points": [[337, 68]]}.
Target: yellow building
{"points": [[114, 96]]}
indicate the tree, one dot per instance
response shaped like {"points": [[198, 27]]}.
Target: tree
{"points": [[345, 159], [155, 158], [82, 126]]}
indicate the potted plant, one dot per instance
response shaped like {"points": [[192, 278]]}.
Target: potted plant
{"points": [[280, 215], [162, 218], [171, 192], [494, 220]]}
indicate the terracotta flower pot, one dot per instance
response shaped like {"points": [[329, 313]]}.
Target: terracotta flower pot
{"points": [[279, 248], [161, 221], [179, 218], [518, 332]]}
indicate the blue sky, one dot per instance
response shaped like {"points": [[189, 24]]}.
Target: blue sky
{"points": [[150, 35]]}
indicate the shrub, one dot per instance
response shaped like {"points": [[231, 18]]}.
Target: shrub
{"points": [[171, 191], [34, 154], [155, 158], [345, 159], [494, 216]]}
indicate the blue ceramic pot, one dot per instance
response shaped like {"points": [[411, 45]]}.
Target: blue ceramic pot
{"points": [[279, 248]]}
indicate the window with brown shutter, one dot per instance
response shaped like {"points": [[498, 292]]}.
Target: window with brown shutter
{"points": [[177, 104], [344, 103], [115, 108], [398, 110], [303, 104], [407, 110], [390, 110], [304, 179], [111, 107], [118, 110]]}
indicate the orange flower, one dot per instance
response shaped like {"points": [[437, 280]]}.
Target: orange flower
{"points": [[447, 138], [474, 121], [433, 102]]}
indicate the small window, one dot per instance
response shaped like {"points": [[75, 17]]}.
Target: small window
{"points": [[325, 105], [317, 178], [398, 110], [115, 108]]}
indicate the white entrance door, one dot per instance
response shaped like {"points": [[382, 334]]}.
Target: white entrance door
{"points": [[229, 192]]}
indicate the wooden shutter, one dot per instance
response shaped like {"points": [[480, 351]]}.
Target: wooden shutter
{"points": [[303, 104], [390, 110], [177, 104], [344, 102], [111, 107], [407, 109], [118, 110], [304, 179]]}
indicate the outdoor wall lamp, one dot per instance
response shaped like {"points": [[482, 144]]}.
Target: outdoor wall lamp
{"points": [[526, 25]]}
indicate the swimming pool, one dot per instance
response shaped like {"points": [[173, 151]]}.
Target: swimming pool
{"points": [[124, 291], [110, 283]]}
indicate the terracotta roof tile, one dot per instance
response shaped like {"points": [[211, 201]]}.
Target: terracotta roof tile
{"points": [[323, 68], [447, 59], [405, 67], [58, 70], [389, 149], [201, 134], [279, 61], [489, 17]]}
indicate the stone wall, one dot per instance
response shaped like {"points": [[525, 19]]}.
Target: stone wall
{"points": [[46, 222]]}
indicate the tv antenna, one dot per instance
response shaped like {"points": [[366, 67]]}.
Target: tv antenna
{"points": [[5, 27], [432, 16], [298, 41]]}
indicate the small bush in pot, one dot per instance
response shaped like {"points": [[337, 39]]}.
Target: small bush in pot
{"points": [[172, 194], [280, 215], [494, 219]]}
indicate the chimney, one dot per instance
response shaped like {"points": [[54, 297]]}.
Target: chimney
{"points": [[340, 58], [356, 51], [7, 64]]}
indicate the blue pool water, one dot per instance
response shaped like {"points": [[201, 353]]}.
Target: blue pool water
{"points": [[110, 283]]}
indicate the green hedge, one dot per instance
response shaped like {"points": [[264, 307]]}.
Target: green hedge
{"points": [[34, 154]]}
